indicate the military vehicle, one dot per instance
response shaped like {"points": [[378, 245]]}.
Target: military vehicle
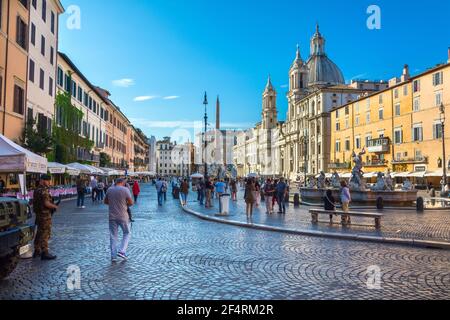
{"points": [[16, 232]]}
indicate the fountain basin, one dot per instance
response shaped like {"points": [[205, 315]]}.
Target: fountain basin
{"points": [[390, 198]]}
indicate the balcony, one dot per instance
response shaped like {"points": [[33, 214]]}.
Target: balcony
{"points": [[83, 155], [376, 163], [339, 165], [380, 145], [416, 160]]}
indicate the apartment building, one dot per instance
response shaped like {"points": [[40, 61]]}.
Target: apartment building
{"points": [[14, 45], [400, 128], [42, 62]]}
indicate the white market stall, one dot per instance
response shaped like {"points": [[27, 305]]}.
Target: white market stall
{"points": [[16, 159]]}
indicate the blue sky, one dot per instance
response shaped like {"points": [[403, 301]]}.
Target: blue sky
{"points": [[174, 50]]}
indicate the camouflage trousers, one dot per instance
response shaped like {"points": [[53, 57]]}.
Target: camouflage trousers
{"points": [[44, 229]]}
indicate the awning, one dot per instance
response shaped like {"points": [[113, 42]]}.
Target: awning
{"points": [[14, 158], [112, 172], [417, 174], [58, 168], [86, 169], [346, 175], [197, 176], [327, 175], [252, 175], [436, 174], [401, 174], [370, 175]]}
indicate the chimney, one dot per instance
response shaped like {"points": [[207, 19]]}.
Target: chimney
{"points": [[405, 74]]}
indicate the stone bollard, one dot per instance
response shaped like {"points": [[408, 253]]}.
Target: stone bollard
{"points": [[296, 200], [420, 205], [380, 203]]}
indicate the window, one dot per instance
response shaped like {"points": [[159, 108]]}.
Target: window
{"points": [[19, 99], [405, 90], [381, 113], [416, 104], [67, 82], [368, 105], [52, 53], [80, 94], [337, 114], [437, 79], [347, 123], [52, 22], [31, 71], [33, 34], [34, 3], [397, 109], [74, 89], [358, 142], [44, 10], [380, 99], [41, 79], [438, 99], [43, 45], [368, 117], [417, 133], [368, 138], [357, 120], [398, 136], [416, 86], [338, 126], [437, 130], [338, 146], [347, 111], [21, 33], [60, 77], [347, 144], [357, 107], [396, 93], [50, 86]]}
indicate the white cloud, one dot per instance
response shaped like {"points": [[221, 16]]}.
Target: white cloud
{"points": [[124, 83], [171, 97], [144, 98]]}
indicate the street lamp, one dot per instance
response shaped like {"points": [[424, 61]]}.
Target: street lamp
{"points": [[442, 118], [305, 151], [205, 102]]}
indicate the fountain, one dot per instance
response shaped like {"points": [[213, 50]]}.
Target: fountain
{"points": [[383, 189]]}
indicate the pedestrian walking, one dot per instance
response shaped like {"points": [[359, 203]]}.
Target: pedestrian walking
{"points": [[233, 186], [201, 191], [249, 197], [94, 190], [184, 192], [118, 198], [281, 190], [136, 190], [81, 192], [209, 189], [100, 191], [329, 203], [257, 193], [43, 207], [159, 189], [345, 199], [164, 190], [269, 192]]}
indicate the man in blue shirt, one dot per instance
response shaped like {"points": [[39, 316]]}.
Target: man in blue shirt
{"points": [[160, 188], [281, 190], [220, 190]]}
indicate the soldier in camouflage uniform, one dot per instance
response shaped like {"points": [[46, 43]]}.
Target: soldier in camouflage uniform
{"points": [[43, 207]]}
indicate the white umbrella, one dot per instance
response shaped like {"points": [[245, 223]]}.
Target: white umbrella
{"points": [[197, 176], [56, 168], [253, 175]]}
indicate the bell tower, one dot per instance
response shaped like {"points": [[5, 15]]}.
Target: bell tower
{"points": [[269, 114]]}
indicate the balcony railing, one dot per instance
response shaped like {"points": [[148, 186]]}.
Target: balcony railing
{"points": [[83, 155], [379, 145], [375, 163], [415, 160], [339, 165]]}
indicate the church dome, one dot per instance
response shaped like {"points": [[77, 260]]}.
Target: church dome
{"points": [[321, 70]]}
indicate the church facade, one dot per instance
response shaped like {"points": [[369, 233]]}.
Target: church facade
{"points": [[301, 144]]}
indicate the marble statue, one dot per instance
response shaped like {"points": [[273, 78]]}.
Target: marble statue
{"points": [[321, 181], [381, 183], [335, 180], [389, 181], [407, 185], [356, 181], [312, 183]]}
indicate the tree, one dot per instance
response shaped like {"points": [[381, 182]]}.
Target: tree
{"points": [[105, 160], [36, 139], [67, 130]]}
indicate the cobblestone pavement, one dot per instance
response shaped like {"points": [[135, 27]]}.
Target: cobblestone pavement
{"points": [[432, 225], [176, 256]]}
